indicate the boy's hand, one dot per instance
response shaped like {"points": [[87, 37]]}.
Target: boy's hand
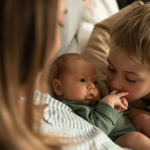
{"points": [[117, 101]]}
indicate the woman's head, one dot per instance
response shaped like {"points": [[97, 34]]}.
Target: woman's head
{"points": [[28, 33], [29, 39], [129, 58]]}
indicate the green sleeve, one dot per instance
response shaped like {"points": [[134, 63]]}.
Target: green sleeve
{"points": [[103, 115]]}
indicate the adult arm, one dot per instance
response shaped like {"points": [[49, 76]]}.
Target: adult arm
{"points": [[103, 115]]}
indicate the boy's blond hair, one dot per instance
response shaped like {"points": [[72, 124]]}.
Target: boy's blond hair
{"points": [[132, 34], [59, 67]]}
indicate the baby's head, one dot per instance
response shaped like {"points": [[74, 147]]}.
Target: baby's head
{"points": [[129, 58], [73, 77]]}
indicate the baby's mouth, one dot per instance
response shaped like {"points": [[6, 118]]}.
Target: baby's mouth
{"points": [[89, 96]]}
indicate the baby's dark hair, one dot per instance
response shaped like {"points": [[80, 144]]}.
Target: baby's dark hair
{"points": [[60, 65]]}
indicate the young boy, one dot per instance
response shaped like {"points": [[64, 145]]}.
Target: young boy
{"points": [[128, 66], [129, 60], [74, 81]]}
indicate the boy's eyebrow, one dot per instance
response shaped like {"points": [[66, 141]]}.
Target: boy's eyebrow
{"points": [[134, 73]]}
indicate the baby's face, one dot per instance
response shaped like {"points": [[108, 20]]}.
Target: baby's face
{"points": [[126, 76], [80, 82]]}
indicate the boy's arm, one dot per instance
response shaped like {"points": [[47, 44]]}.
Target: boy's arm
{"points": [[103, 116], [97, 49], [136, 111], [137, 107]]}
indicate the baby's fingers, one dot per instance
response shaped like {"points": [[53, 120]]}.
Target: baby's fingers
{"points": [[113, 92], [122, 107], [124, 101], [122, 94]]}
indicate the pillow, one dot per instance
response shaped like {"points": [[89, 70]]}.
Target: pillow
{"points": [[94, 11], [97, 49], [98, 10], [70, 23]]}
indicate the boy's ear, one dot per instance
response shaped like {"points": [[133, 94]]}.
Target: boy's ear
{"points": [[57, 87]]}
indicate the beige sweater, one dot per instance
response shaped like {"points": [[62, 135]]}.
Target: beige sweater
{"points": [[97, 51]]}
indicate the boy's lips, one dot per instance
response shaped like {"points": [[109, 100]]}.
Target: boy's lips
{"points": [[89, 96]]}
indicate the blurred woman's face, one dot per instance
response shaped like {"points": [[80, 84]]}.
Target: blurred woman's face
{"points": [[60, 17], [56, 44]]}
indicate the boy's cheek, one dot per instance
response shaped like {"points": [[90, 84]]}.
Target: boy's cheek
{"points": [[132, 95], [108, 79]]}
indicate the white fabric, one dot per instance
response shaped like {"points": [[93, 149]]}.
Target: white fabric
{"points": [[94, 12], [70, 23], [63, 121]]}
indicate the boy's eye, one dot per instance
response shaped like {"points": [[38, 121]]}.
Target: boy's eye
{"points": [[95, 82], [130, 81], [109, 69], [82, 80]]}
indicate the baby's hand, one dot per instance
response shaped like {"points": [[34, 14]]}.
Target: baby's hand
{"points": [[117, 101], [124, 102]]}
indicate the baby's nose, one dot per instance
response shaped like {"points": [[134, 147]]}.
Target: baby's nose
{"points": [[91, 86]]}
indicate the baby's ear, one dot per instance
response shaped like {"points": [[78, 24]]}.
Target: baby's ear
{"points": [[57, 87]]}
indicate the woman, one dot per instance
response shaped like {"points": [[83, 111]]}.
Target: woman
{"points": [[29, 39]]}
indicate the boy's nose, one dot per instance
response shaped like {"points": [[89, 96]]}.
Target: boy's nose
{"points": [[116, 84]]}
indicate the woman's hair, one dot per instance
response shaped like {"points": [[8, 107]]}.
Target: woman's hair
{"points": [[132, 34], [27, 33]]}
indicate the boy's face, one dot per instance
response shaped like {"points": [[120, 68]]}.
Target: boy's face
{"points": [[127, 76], [80, 82]]}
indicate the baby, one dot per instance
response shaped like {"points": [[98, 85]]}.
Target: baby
{"points": [[74, 81]]}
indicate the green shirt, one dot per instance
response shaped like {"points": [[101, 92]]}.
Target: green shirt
{"points": [[103, 116]]}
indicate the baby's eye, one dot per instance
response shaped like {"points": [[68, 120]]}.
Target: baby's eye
{"points": [[82, 80], [95, 82]]}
